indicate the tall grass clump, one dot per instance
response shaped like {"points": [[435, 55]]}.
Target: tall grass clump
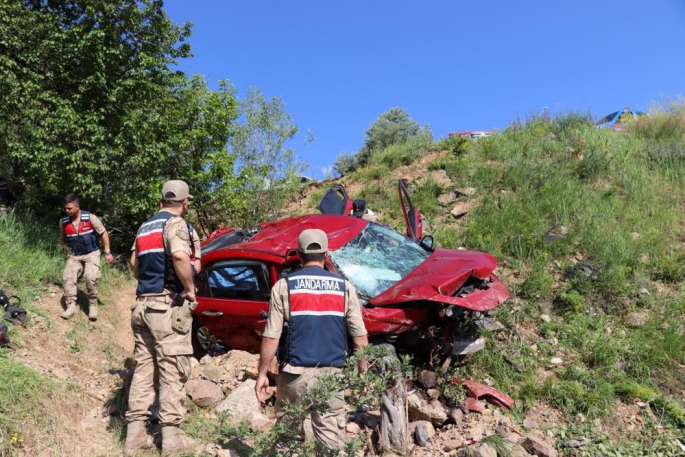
{"points": [[31, 256], [618, 212]]}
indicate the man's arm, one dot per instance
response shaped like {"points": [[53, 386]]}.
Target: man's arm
{"points": [[105, 242], [266, 355], [360, 342], [185, 274]]}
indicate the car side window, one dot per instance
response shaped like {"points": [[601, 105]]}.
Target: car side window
{"points": [[242, 281]]}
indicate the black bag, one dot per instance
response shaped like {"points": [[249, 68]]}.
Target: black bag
{"points": [[12, 311]]}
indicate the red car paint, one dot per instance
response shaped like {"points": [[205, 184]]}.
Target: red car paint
{"points": [[425, 293]]}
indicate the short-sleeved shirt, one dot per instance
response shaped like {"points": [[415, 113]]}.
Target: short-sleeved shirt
{"points": [[95, 221], [279, 312]]}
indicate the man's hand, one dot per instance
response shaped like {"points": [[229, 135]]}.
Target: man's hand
{"points": [[188, 295], [109, 258], [262, 384]]}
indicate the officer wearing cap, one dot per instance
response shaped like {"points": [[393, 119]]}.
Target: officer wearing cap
{"points": [[163, 269], [311, 314], [78, 238]]}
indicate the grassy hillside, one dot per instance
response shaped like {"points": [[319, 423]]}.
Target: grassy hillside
{"points": [[587, 225]]}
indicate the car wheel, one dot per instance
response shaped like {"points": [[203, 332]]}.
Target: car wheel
{"points": [[205, 343]]}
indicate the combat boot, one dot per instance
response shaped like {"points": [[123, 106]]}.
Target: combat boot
{"points": [[137, 439], [93, 310], [175, 442], [71, 309]]}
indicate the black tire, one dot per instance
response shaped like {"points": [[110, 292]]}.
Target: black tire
{"points": [[204, 343]]}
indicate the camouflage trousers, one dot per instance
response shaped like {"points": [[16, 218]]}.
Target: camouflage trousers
{"points": [[89, 265], [329, 427], [162, 359]]}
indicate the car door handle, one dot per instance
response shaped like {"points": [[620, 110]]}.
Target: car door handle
{"points": [[263, 314], [212, 313]]}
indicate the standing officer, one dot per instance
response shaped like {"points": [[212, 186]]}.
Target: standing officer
{"points": [[80, 244], [161, 324], [320, 308]]}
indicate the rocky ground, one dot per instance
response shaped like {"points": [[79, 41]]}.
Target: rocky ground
{"points": [[90, 358]]}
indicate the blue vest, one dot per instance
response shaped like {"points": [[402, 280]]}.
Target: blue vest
{"points": [[316, 335], [80, 239], [155, 268]]}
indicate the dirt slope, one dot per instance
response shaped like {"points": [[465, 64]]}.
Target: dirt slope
{"points": [[86, 357]]}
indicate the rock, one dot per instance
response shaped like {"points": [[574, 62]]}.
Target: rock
{"points": [[476, 432], [556, 361], [539, 447], [370, 419], [489, 324], [195, 368], [485, 450], [456, 416], [427, 425], [637, 320], [530, 423], [447, 198], [451, 445], [467, 191], [426, 379], [644, 291], [635, 236], [352, 428], [240, 403], [641, 404], [460, 209], [238, 363], [421, 436], [212, 373], [420, 409], [258, 421], [207, 360], [433, 393], [204, 393], [545, 318]]}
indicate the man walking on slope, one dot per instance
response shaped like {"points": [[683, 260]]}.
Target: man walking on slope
{"points": [[78, 238], [320, 308], [161, 324]]}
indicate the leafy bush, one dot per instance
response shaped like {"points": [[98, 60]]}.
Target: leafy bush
{"points": [[346, 164]]}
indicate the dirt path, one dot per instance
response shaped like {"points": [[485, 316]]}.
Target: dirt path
{"points": [[89, 358]]}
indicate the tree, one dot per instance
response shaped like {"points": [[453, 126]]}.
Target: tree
{"points": [[268, 168], [92, 104], [206, 119], [392, 127]]}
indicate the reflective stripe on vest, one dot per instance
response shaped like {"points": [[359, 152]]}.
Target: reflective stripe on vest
{"points": [[155, 269], [80, 239], [317, 332]]}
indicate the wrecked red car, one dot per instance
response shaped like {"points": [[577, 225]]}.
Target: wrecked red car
{"points": [[418, 298]]}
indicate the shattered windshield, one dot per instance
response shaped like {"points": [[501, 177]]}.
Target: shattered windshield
{"points": [[377, 258]]}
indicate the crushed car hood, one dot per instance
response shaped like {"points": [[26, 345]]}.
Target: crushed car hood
{"points": [[441, 275]]}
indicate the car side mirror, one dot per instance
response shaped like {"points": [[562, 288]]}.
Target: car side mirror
{"points": [[201, 276], [427, 242]]}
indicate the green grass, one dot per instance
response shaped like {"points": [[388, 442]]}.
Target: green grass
{"points": [[31, 258], [23, 393]]}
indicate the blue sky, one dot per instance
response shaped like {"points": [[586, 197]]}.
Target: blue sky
{"points": [[454, 65]]}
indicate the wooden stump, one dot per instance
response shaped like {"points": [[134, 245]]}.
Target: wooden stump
{"points": [[394, 428]]}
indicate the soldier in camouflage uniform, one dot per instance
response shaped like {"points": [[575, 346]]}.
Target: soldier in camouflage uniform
{"points": [[163, 252], [78, 231]]}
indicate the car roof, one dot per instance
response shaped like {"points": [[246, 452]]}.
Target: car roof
{"points": [[280, 237]]}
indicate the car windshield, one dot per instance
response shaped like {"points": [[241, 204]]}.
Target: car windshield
{"points": [[377, 258], [608, 118]]}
